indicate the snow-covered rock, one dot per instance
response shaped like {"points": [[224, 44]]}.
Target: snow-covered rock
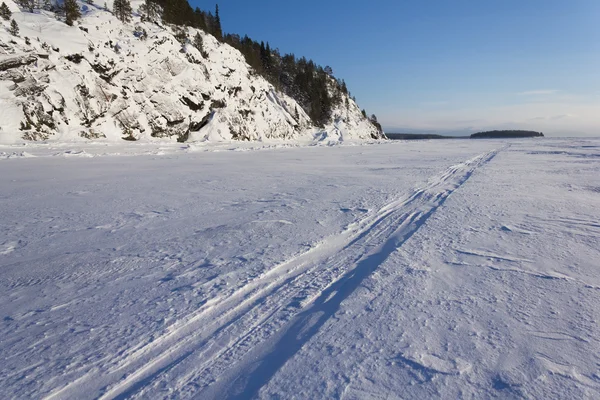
{"points": [[99, 79]]}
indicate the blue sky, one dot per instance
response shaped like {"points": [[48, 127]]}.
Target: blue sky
{"points": [[446, 65]]}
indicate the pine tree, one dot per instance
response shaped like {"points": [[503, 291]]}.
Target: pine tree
{"points": [[5, 11], [180, 34], [374, 121], [150, 9], [200, 19], [122, 10], [198, 43], [177, 12], [263, 54], [14, 28], [127, 11], [218, 31], [27, 4], [343, 87], [72, 12]]}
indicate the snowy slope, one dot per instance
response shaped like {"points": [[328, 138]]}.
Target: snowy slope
{"points": [[454, 269], [98, 80]]}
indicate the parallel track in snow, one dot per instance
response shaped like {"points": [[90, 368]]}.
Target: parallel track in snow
{"points": [[232, 346]]}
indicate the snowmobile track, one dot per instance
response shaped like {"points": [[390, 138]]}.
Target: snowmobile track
{"points": [[235, 343]]}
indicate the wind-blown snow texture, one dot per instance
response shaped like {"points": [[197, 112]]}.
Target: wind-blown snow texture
{"points": [[98, 80], [416, 270]]}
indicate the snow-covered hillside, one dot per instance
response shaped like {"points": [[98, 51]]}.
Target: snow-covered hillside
{"points": [[101, 79]]}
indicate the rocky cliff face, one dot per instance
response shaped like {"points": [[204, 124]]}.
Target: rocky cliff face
{"points": [[102, 79]]}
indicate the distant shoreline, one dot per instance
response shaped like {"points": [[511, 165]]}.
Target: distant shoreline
{"points": [[420, 136], [507, 134]]}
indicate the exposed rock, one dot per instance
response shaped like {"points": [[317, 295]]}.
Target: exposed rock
{"points": [[30, 87], [75, 58], [192, 105], [92, 134], [9, 62], [167, 109], [13, 75]]}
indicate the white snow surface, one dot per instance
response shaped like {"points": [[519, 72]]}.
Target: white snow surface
{"points": [[430, 269], [156, 89]]}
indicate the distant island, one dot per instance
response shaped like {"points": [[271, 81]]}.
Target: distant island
{"points": [[506, 134]]}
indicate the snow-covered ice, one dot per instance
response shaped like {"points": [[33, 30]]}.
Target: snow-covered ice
{"points": [[433, 269]]}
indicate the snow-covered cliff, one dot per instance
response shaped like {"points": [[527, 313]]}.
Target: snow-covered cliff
{"points": [[102, 79]]}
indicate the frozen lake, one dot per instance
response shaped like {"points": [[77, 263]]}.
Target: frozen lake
{"points": [[420, 269]]}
